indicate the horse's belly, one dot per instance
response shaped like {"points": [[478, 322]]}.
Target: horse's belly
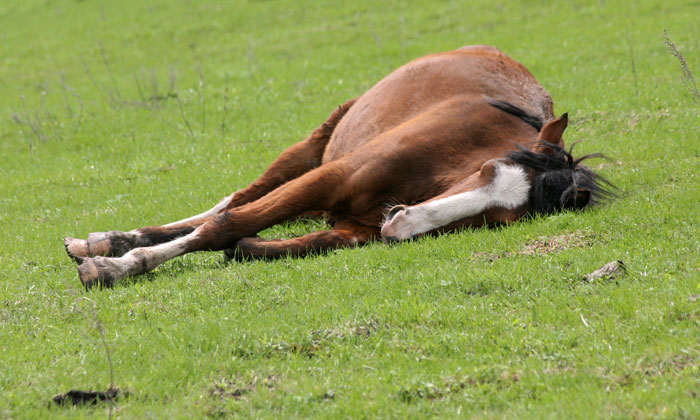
{"points": [[426, 82]]}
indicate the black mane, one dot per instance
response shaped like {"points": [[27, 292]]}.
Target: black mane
{"points": [[560, 181], [515, 111]]}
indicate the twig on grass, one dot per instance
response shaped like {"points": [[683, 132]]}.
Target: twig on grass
{"points": [[687, 76]]}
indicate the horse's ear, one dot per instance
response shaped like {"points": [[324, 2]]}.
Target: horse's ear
{"points": [[553, 131]]}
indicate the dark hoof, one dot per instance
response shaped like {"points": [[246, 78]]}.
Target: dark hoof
{"points": [[89, 273], [76, 248], [92, 272], [230, 254]]}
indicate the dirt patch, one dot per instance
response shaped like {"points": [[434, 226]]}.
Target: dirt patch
{"points": [[320, 338], [544, 245], [451, 385], [310, 345], [358, 330], [326, 396], [673, 365], [78, 397], [237, 389]]}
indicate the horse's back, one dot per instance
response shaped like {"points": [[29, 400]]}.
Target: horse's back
{"points": [[469, 72]]}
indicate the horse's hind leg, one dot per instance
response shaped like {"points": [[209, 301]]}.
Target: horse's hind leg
{"points": [[323, 188], [343, 235], [292, 163]]}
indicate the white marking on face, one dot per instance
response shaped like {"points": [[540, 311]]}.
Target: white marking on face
{"points": [[209, 213], [509, 189]]}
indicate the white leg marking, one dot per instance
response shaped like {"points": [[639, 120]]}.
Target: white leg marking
{"points": [[211, 212], [509, 189], [140, 260]]}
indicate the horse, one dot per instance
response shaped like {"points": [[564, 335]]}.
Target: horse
{"points": [[465, 138]]}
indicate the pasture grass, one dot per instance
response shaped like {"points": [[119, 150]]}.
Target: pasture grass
{"points": [[115, 115]]}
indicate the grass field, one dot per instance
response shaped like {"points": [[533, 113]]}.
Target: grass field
{"points": [[115, 115]]}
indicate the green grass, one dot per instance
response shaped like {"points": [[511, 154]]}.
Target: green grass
{"points": [[472, 324]]}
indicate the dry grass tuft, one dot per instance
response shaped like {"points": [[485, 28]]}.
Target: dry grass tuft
{"points": [[687, 76]]}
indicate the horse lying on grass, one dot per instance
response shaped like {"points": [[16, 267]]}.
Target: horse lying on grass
{"points": [[463, 138]]}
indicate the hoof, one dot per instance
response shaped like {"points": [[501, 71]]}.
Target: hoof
{"points": [[92, 272], [89, 273], [98, 244], [230, 254], [76, 248]]}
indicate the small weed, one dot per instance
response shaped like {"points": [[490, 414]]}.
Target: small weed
{"points": [[687, 75]]}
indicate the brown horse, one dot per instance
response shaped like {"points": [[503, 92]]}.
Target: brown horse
{"points": [[462, 138]]}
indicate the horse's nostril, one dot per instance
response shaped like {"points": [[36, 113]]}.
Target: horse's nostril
{"points": [[394, 210], [390, 239]]}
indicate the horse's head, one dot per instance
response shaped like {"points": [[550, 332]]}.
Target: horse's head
{"points": [[542, 179]]}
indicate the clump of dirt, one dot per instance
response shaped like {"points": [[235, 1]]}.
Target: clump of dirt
{"points": [[326, 396], [310, 345], [454, 385], [358, 330], [669, 365], [78, 397], [234, 388]]}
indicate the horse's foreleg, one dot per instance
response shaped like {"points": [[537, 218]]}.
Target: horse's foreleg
{"points": [[292, 163], [344, 235], [116, 243]]}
